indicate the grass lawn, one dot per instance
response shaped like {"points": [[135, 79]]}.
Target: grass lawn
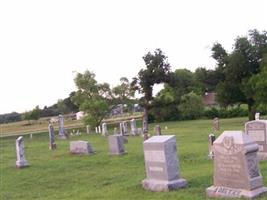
{"points": [[60, 175]]}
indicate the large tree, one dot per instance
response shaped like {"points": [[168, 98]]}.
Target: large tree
{"points": [[239, 68], [157, 71]]}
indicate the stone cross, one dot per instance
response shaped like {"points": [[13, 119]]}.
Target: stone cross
{"points": [[162, 164], [257, 116], [257, 130], [81, 147], [216, 124], [211, 140], [158, 130], [52, 141], [21, 159], [62, 131], [116, 144], [134, 130], [88, 129], [104, 129], [236, 168]]}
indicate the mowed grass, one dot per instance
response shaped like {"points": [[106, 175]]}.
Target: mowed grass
{"points": [[60, 175]]}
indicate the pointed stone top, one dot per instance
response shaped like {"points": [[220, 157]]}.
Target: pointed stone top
{"points": [[239, 137], [160, 139]]}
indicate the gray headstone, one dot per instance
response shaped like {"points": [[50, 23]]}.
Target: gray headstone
{"points": [[81, 147], [31, 135], [158, 130], [236, 171], [21, 159], [257, 130], [211, 140], [134, 130], [216, 124], [104, 129], [62, 131], [52, 141], [162, 164], [125, 127], [88, 129], [121, 128], [116, 144]]}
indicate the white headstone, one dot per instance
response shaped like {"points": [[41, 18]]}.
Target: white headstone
{"points": [[81, 147], [96, 130], [99, 129], [21, 159], [104, 129], [257, 116]]}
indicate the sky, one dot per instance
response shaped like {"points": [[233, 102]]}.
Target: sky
{"points": [[44, 43]]}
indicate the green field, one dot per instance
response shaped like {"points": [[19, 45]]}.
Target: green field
{"points": [[60, 175]]}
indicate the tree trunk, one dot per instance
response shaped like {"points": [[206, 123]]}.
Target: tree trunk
{"points": [[251, 110], [145, 123]]}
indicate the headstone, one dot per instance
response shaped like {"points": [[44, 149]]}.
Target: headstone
{"points": [[81, 147], [121, 128], [21, 159], [216, 124], [134, 130], [162, 164], [62, 131], [88, 129], [96, 130], [236, 171], [104, 129], [257, 116], [52, 142], [158, 130], [140, 131], [31, 135], [99, 129], [115, 130], [125, 127], [211, 140], [257, 130], [78, 132], [145, 129], [116, 144]]}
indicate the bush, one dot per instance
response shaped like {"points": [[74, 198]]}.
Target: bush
{"points": [[226, 113]]}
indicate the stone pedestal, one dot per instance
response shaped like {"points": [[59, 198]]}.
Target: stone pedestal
{"points": [[116, 144], [257, 130], [21, 159], [162, 164], [236, 170], [81, 147]]}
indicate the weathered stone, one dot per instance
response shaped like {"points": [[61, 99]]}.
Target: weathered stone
{"points": [[236, 170], [88, 129], [21, 159], [62, 131], [257, 130], [104, 129], [134, 130], [216, 124], [52, 142], [99, 129], [121, 128], [96, 130], [158, 130], [116, 144], [211, 140], [125, 127], [257, 116], [162, 164], [81, 147]]}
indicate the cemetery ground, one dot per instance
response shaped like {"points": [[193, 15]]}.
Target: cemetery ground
{"points": [[60, 175]]}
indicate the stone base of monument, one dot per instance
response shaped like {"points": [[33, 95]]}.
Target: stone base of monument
{"points": [[261, 156], [225, 192], [21, 164], [163, 186]]}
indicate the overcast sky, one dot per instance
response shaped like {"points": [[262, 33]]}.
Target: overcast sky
{"points": [[43, 43]]}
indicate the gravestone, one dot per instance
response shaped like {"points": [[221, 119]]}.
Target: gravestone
{"points": [[162, 164], [104, 129], [125, 127], [121, 128], [31, 135], [134, 130], [21, 159], [116, 144], [96, 130], [81, 147], [52, 141], [88, 129], [216, 124], [99, 129], [158, 130], [257, 116], [257, 130], [211, 141], [62, 131], [236, 171], [145, 129]]}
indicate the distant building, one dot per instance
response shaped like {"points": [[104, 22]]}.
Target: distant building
{"points": [[209, 99]]}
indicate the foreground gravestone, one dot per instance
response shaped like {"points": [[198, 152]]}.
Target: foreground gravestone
{"points": [[236, 170], [162, 164], [104, 129], [21, 159], [62, 131], [134, 130], [257, 130], [116, 144], [211, 141], [52, 142], [158, 130], [81, 147]]}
